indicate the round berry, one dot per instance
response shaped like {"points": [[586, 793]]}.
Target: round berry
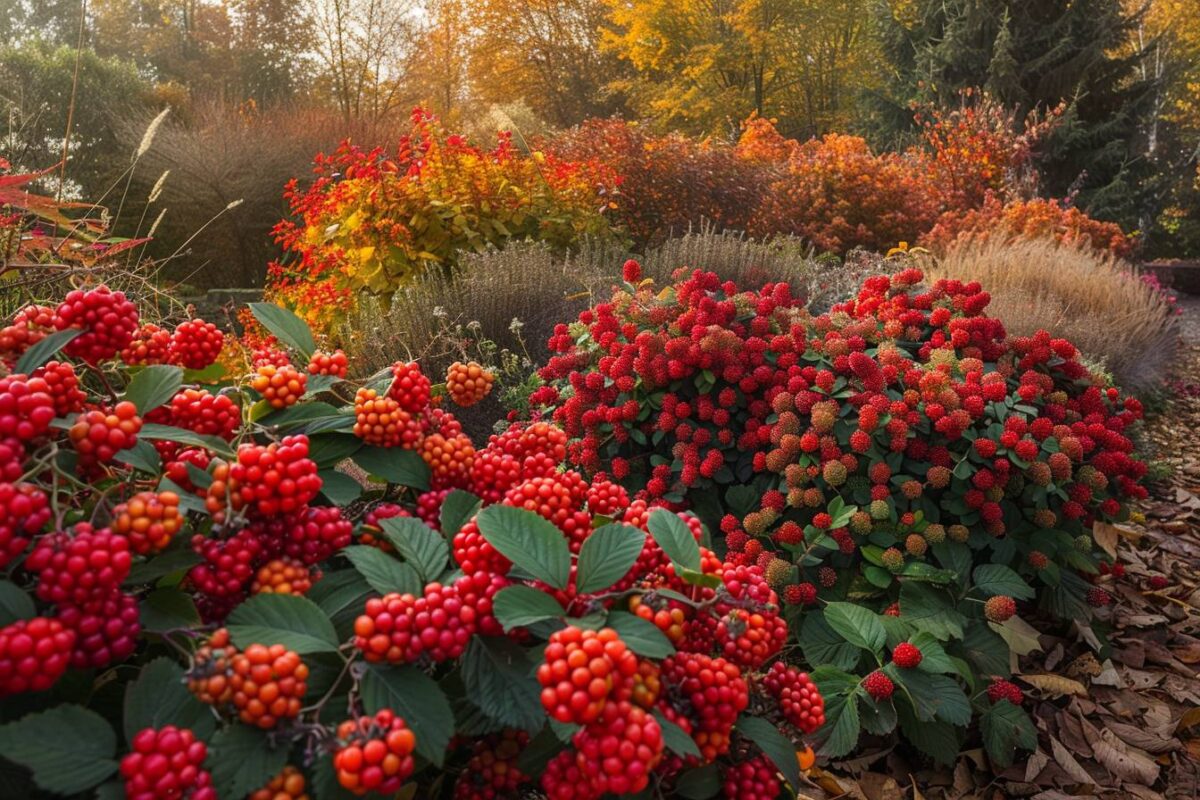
{"points": [[34, 653], [906, 655], [108, 321], [1000, 608], [167, 764], [195, 344], [374, 754], [878, 685]]}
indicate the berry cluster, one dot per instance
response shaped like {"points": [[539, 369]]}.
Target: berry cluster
{"points": [[491, 771], [409, 387], [26, 407], [334, 364], [99, 435], [267, 684], [374, 753], [149, 520], [380, 421], [287, 785], [24, 511], [195, 344], [167, 764], [582, 670], [275, 479], [279, 386], [468, 383], [34, 654], [107, 319], [149, 345], [283, 576], [797, 695]]}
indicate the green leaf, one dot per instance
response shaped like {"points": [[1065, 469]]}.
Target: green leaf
{"points": [[699, 783], [928, 608], [15, 603], [383, 572], [341, 594], [457, 510], [822, 645], [158, 697], [986, 650], [160, 566], [339, 488], [992, 579], [878, 718], [778, 747], [37, 355], [519, 605], [933, 655], [287, 327], [153, 386], [170, 433], [857, 625], [293, 621], [1006, 728], [142, 456], [417, 698], [938, 740], [394, 465], [607, 556], [839, 734], [329, 449], [168, 609], [242, 760], [676, 738], [421, 546], [933, 696], [69, 748], [528, 541], [640, 635], [675, 538], [499, 679]]}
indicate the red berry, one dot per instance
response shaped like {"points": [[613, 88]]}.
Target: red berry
{"points": [[26, 407], [106, 634], [410, 388], [167, 764], [755, 779], [99, 435], [878, 685], [334, 364], [195, 344], [582, 670], [63, 385], [401, 628], [1005, 690], [148, 346], [618, 751], [1098, 598], [798, 696], [713, 693], [108, 321], [268, 684], [24, 512], [374, 753], [275, 479], [203, 412], [34, 653], [1000, 608], [83, 568], [906, 655]]}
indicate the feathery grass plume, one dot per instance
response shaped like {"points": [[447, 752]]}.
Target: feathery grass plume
{"points": [[156, 189], [1096, 301], [154, 225], [151, 130]]}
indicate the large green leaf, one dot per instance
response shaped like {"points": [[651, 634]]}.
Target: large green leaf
{"points": [[822, 645], [339, 488], [293, 621], [418, 699], [677, 740], [1005, 728], [986, 650], [640, 635], [993, 579], [675, 538], [933, 696], [394, 465], [938, 740], [928, 608], [383, 572], [242, 759], [168, 609], [499, 680], [421, 546], [839, 734], [933, 655], [158, 697], [286, 326], [607, 556], [68, 749], [518, 605], [170, 433], [153, 386], [457, 509], [162, 565], [528, 541], [771, 741], [700, 783], [15, 603], [341, 595], [857, 625], [142, 456], [37, 355]]}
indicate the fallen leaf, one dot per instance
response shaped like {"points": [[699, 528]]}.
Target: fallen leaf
{"points": [[1107, 537], [1125, 763], [1190, 719], [880, 787], [1036, 763], [1108, 676], [1056, 685], [1022, 638], [1143, 739], [1068, 764]]}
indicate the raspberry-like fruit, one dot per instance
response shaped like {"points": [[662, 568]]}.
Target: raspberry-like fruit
{"points": [[892, 559], [149, 345], [334, 364], [1000, 608], [1038, 560], [83, 568], [468, 383], [878, 685], [374, 753], [716, 692], [401, 628], [491, 771], [449, 459], [195, 344], [34, 653], [754, 779], [24, 511], [1099, 598], [1005, 690], [279, 386], [750, 638], [410, 388], [148, 520], [380, 421], [99, 435], [287, 785], [26, 407], [283, 576], [108, 321], [906, 655], [619, 750], [167, 764], [105, 635], [797, 695], [62, 384], [582, 670], [268, 684], [275, 479]]}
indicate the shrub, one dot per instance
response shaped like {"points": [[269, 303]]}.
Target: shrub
{"points": [[900, 452], [374, 220], [1092, 298], [838, 195], [1037, 218], [353, 615]]}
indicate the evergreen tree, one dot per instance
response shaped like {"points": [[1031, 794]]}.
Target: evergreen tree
{"points": [[1034, 54]]}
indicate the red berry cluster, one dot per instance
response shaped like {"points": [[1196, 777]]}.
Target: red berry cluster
{"points": [[24, 512], [374, 753], [267, 684], [618, 751], [99, 435], [334, 364], [582, 670], [34, 653], [409, 387], [879, 685], [906, 655], [468, 383], [84, 567], [167, 764], [203, 412], [62, 384], [712, 693], [149, 520], [26, 407], [797, 695], [1005, 690], [275, 479], [752, 779], [491, 771], [195, 344], [105, 633], [29, 326], [149, 345], [279, 386], [108, 321]]}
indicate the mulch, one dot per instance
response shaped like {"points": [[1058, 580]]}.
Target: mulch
{"points": [[1115, 721]]}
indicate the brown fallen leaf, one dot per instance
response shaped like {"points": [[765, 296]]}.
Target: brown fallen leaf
{"points": [[1107, 537], [1055, 685], [1035, 764], [880, 787], [1190, 719], [1143, 739], [1068, 764], [1124, 762]]}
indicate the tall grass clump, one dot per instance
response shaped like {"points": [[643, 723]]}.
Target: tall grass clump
{"points": [[1092, 298]]}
